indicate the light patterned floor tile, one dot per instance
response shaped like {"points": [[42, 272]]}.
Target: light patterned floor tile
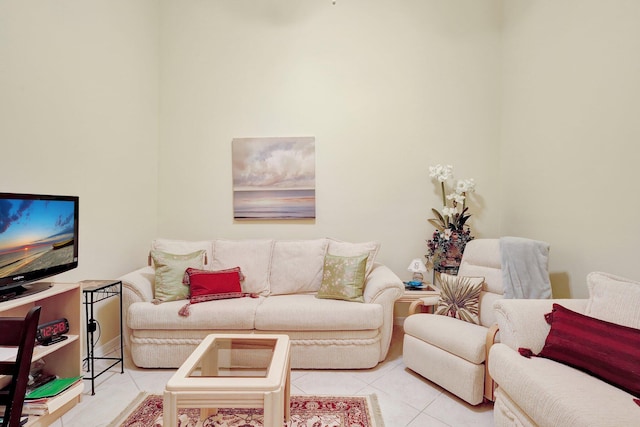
{"points": [[456, 412], [329, 382], [394, 411], [405, 398], [408, 387], [424, 420]]}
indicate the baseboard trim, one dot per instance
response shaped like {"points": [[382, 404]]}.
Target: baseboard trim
{"points": [[106, 348]]}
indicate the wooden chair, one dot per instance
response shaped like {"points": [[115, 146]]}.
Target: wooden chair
{"points": [[20, 332]]}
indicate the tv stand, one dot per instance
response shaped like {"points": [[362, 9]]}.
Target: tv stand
{"points": [[23, 290], [64, 358]]}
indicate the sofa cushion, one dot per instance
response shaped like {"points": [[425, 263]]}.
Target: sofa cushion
{"points": [[553, 394], [305, 312], [614, 299], [232, 314], [470, 342], [169, 272], [343, 278], [460, 297], [183, 247], [340, 248], [296, 266], [604, 349], [253, 257]]}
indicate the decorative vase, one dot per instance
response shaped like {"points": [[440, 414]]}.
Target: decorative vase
{"points": [[446, 250], [450, 262]]}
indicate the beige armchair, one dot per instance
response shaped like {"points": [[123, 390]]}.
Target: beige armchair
{"points": [[451, 352]]}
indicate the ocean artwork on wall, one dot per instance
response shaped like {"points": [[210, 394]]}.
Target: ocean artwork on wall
{"points": [[274, 178]]}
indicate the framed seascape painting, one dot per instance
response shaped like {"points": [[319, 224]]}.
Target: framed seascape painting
{"points": [[274, 178]]}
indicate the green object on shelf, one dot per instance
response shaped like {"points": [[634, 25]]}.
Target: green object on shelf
{"points": [[52, 388]]}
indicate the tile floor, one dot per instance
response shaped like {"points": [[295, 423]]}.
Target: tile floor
{"points": [[405, 398]]}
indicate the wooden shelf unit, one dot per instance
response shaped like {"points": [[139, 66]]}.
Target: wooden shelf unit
{"points": [[63, 359]]}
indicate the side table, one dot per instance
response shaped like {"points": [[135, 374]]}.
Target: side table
{"points": [[425, 296], [93, 292]]}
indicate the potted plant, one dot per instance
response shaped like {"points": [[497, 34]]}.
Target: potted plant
{"points": [[446, 246]]}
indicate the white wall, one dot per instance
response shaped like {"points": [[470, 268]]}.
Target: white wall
{"points": [[133, 105], [387, 89], [570, 134], [79, 116]]}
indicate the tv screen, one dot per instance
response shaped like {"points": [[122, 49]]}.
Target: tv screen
{"points": [[38, 239]]}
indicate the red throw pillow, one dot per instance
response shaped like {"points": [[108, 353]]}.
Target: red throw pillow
{"points": [[606, 350], [211, 285]]}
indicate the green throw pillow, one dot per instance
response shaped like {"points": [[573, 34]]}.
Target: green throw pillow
{"points": [[460, 297], [170, 270], [343, 277]]}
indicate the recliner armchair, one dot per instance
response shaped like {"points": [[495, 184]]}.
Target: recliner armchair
{"points": [[451, 352]]}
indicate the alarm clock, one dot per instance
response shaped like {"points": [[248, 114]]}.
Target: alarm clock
{"points": [[52, 332]]}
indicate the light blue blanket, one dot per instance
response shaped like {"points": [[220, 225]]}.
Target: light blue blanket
{"points": [[525, 268]]}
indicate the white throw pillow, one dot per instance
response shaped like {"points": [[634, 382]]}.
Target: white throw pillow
{"points": [[252, 256], [296, 266], [614, 299]]}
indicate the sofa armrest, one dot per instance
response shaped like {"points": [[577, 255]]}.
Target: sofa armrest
{"points": [[383, 287], [138, 285], [489, 384], [522, 322], [382, 284]]}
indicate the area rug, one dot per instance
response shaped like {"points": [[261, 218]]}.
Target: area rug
{"points": [[306, 411]]}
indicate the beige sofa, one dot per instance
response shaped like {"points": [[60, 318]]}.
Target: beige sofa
{"points": [[541, 392], [324, 333]]}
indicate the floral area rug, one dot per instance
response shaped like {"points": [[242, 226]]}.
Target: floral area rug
{"points": [[306, 411]]}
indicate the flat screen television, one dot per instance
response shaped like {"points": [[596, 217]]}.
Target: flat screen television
{"points": [[38, 239]]}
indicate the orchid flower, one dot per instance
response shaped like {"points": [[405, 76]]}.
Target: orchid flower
{"points": [[451, 215]]}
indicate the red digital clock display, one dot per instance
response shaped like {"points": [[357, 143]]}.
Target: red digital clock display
{"points": [[53, 331]]}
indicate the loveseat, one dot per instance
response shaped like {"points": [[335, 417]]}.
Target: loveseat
{"points": [[546, 391], [284, 278]]}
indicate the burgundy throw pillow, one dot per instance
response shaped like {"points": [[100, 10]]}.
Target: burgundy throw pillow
{"points": [[606, 350], [207, 285]]}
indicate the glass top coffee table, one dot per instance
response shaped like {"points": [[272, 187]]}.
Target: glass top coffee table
{"points": [[233, 371]]}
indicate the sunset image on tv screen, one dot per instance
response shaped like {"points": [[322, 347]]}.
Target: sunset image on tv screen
{"points": [[35, 235]]}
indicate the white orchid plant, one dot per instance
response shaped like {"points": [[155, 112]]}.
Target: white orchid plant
{"points": [[452, 232], [454, 213]]}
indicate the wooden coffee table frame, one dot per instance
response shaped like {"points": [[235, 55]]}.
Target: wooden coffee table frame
{"points": [[270, 392]]}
